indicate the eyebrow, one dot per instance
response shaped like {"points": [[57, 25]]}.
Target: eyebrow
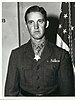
{"points": [[30, 20], [37, 20], [42, 19]]}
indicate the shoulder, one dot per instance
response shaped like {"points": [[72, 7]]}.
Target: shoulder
{"points": [[57, 50], [22, 48], [60, 53]]}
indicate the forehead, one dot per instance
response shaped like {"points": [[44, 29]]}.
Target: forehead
{"points": [[34, 16]]}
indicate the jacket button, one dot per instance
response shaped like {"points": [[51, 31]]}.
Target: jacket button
{"points": [[37, 77], [38, 87], [37, 67]]}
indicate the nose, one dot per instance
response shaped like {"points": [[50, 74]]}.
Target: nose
{"points": [[36, 26]]}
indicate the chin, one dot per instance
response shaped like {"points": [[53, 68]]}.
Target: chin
{"points": [[37, 38]]}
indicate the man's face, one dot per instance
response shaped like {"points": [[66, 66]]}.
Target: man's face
{"points": [[36, 25]]}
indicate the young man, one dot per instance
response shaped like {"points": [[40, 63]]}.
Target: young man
{"points": [[39, 68]]}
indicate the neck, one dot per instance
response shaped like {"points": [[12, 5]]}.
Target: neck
{"points": [[38, 41]]}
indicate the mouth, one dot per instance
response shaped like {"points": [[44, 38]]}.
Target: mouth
{"points": [[36, 31]]}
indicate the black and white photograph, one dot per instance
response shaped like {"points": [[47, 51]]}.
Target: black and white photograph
{"points": [[38, 49]]}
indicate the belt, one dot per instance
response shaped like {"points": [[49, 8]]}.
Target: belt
{"points": [[54, 91], [25, 93]]}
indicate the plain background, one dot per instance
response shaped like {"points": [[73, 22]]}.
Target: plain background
{"points": [[10, 37]]}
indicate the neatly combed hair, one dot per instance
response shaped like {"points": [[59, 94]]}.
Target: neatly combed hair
{"points": [[36, 9]]}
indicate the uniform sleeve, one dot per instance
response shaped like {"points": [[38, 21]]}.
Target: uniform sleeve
{"points": [[12, 79], [66, 75]]}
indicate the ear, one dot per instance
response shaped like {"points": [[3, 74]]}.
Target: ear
{"points": [[47, 24]]}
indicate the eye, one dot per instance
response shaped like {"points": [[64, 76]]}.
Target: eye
{"points": [[30, 22], [41, 21]]}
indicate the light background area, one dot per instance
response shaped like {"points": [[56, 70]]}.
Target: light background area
{"points": [[9, 34], [10, 28]]}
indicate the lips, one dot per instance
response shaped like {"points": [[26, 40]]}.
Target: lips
{"points": [[36, 31]]}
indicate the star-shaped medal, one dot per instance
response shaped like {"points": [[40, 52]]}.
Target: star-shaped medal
{"points": [[65, 15], [64, 31], [37, 57]]}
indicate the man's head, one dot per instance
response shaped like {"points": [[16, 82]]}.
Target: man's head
{"points": [[36, 21], [36, 9]]}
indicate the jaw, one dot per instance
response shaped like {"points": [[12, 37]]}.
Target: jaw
{"points": [[37, 40]]}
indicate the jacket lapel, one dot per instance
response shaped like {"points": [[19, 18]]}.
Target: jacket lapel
{"points": [[29, 51]]}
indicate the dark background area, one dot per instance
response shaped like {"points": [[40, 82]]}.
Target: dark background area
{"points": [[51, 31]]}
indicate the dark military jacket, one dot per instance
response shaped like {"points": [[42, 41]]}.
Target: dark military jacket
{"points": [[51, 75]]}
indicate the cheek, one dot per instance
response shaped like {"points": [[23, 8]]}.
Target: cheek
{"points": [[30, 29], [42, 28]]}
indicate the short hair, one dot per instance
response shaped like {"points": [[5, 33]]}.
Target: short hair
{"points": [[36, 9]]}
